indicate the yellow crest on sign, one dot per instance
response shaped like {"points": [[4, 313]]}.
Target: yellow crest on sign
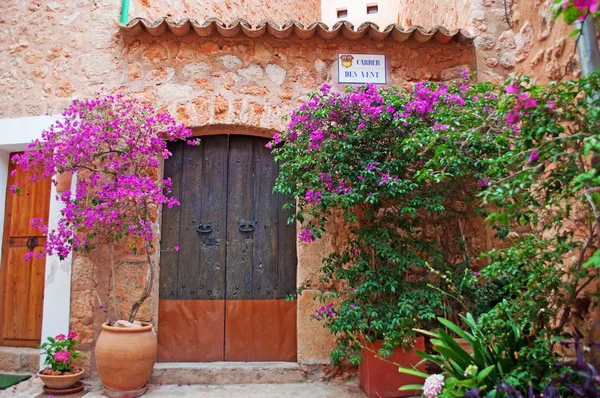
{"points": [[346, 60]]}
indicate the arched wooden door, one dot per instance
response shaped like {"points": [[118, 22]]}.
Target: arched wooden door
{"points": [[228, 256]]}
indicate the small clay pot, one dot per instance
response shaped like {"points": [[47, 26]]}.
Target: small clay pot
{"points": [[125, 356], [60, 382]]}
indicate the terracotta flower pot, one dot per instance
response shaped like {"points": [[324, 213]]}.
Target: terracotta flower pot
{"points": [[60, 382], [381, 379], [125, 356]]}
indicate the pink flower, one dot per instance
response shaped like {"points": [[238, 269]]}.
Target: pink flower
{"points": [[483, 183], [62, 356], [306, 236], [582, 5], [313, 196], [530, 103], [72, 335], [176, 248], [433, 386], [533, 156], [512, 89], [60, 337], [550, 105]]}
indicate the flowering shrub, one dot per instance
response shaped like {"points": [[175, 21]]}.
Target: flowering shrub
{"points": [[396, 164], [546, 190], [60, 352], [115, 146]]}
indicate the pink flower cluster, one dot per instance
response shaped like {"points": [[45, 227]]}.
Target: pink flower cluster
{"points": [[433, 386], [62, 356], [323, 312], [313, 197], [116, 146], [522, 103]]}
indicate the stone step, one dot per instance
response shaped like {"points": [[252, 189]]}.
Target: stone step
{"points": [[19, 359], [227, 373]]}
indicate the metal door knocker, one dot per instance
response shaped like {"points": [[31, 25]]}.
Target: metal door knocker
{"points": [[247, 226], [32, 243], [204, 228]]}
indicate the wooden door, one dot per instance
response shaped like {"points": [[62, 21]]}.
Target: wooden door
{"points": [[22, 283], [222, 294]]}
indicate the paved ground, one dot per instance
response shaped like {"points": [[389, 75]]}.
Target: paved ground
{"points": [[32, 388]]}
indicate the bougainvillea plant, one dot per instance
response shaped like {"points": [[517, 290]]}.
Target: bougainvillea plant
{"points": [[115, 147], [60, 352], [403, 168], [546, 194]]}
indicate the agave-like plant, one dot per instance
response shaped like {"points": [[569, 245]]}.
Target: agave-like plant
{"points": [[468, 374]]}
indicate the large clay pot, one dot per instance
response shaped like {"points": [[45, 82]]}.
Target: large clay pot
{"points": [[125, 356], [381, 379], [60, 382]]}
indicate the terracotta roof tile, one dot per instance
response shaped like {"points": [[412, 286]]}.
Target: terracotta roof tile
{"points": [[229, 29]]}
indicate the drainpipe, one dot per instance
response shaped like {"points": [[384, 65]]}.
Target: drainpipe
{"points": [[124, 12], [587, 46], [589, 59]]}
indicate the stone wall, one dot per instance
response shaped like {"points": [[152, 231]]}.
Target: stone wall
{"points": [[450, 14], [545, 48], [53, 51], [496, 45], [525, 41], [305, 11]]}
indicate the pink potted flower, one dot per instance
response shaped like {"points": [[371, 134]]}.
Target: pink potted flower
{"points": [[61, 373]]}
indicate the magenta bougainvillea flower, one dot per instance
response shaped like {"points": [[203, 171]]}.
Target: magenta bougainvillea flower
{"points": [[582, 5], [116, 146]]}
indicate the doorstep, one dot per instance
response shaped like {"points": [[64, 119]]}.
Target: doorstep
{"points": [[227, 373], [19, 359]]}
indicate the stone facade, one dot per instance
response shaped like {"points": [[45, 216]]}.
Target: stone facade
{"points": [[520, 38], [54, 51], [254, 11]]}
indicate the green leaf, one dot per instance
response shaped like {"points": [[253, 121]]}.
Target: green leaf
{"points": [[412, 372], [484, 373], [594, 260], [574, 33], [411, 387]]}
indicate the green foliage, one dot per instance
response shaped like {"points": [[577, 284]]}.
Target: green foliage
{"points": [[402, 168], [544, 193], [495, 358]]}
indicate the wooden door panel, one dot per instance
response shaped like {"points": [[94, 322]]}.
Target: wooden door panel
{"points": [[171, 226], [32, 202], [25, 282], [214, 211], [265, 236], [22, 283], [240, 207]]}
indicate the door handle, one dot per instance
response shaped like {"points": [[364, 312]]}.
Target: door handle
{"points": [[204, 228], [32, 243], [247, 226]]}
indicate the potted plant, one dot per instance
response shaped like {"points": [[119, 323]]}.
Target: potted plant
{"points": [[60, 355], [115, 147]]}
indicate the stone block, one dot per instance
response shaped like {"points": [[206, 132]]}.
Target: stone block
{"points": [[227, 373], [314, 340], [10, 359]]}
